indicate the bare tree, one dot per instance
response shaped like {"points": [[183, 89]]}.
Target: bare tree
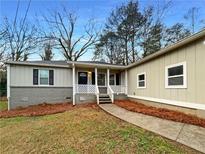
{"points": [[62, 30], [192, 16], [19, 36], [2, 45], [48, 54]]}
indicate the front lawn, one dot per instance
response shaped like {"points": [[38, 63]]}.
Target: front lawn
{"points": [[81, 130], [3, 105]]}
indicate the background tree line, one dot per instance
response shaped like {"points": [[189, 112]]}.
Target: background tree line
{"points": [[131, 34]]}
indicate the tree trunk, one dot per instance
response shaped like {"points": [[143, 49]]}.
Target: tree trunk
{"points": [[133, 49]]}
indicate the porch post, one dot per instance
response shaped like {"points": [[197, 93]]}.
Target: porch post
{"points": [[108, 78], [74, 84], [96, 85], [126, 82], [96, 77]]}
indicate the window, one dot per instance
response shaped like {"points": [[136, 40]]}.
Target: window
{"points": [[175, 76], [44, 77], [141, 80], [101, 79]]}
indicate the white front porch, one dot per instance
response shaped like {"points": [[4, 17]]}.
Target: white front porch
{"points": [[97, 81]]}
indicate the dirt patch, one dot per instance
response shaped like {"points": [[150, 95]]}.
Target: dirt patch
{"points": [[43, 109], [161, 112]]}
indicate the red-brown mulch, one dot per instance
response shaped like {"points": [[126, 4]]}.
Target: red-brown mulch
{"points": [[43, 109], [161, 112]]}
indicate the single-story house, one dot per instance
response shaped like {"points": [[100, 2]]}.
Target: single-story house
{"points": [[173, 77]]}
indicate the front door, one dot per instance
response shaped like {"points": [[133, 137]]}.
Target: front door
{"points": [[82, 78], [102, 83], [101, 79]]}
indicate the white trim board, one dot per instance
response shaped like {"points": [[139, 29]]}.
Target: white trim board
{"points": [[8, 85], [191, 105]]}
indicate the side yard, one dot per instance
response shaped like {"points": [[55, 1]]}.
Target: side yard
{"points": [[3, 105], [85, 129]]}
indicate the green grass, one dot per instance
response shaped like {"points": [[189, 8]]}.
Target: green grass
{"points": [[82, 130], [3, 105]]}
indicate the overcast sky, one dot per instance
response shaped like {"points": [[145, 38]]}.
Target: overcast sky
{"points": [[97, 9]]}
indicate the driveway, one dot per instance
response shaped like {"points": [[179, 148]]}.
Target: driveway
{"points": [[189, 135]]}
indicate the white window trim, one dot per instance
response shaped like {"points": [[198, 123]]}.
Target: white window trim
{"points": [[184, 76], [145, 82], [39, 83]]}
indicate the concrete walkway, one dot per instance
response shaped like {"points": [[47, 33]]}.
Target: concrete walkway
{"points": [[189, 135]]}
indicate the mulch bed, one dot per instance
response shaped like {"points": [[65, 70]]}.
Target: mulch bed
{"points": [[43, 109], [161, 112]]}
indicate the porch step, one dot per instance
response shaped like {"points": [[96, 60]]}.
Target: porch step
{"points": [[104, 98]]}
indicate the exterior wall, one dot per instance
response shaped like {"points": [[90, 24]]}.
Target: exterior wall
{"points": [[24, 93], [25, 96], [193, 54], [23, 76]]}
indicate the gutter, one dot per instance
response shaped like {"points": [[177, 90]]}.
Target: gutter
{"points": [[37, 64]]}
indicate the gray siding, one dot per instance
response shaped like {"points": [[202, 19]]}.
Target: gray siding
{"points": [[193, 54], [23, 76], [25, 96]]}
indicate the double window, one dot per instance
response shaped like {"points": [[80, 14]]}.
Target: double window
{"points": [[175, 76], [43, 77], [141, 80]]}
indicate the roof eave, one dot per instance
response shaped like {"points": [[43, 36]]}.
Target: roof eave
{"points": [[37, 64], [96, 65]]}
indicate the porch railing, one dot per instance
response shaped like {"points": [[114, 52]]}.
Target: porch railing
{"points": [[110, 93], [85, 89], [118, 89], [97, 93]]}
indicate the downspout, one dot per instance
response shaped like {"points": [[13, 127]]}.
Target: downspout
{"points": [[126, 82], [8, 84], [73, 83]]}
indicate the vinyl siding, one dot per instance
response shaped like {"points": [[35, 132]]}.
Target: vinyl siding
{"points": [[193, 54], [23, 76]]}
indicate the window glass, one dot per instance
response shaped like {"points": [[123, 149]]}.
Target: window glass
{"points": [[175, 71], [141, 77], [176, 81], [141, 84], [44, 77], [82, 77]]}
